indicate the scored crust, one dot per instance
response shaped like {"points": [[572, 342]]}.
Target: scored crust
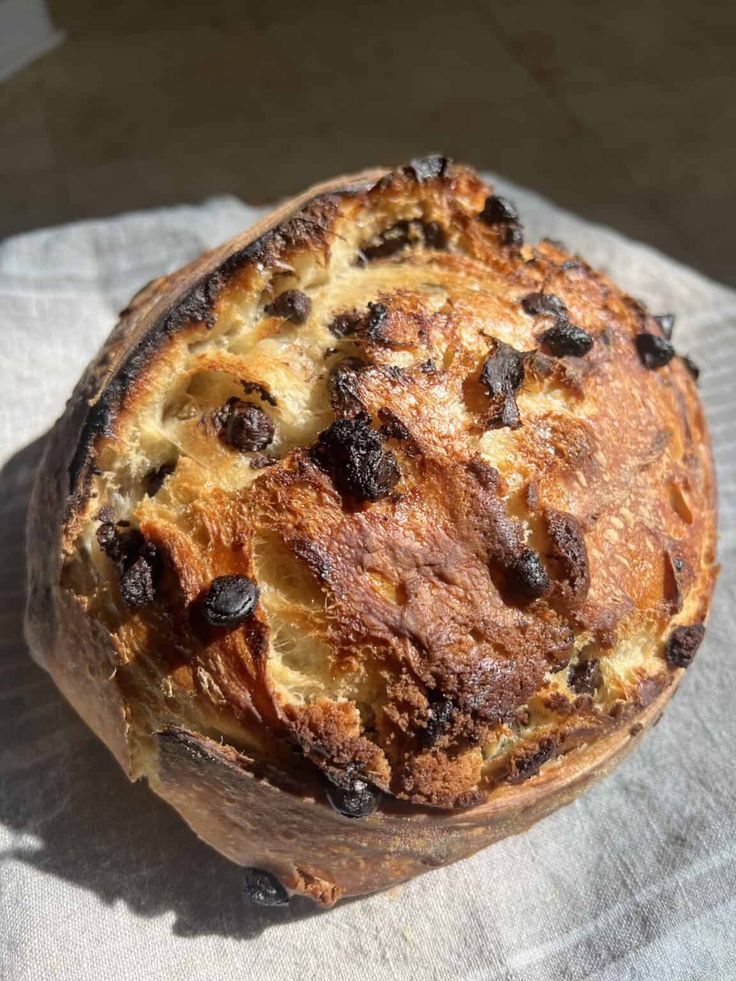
{"points": [[478, 510]]}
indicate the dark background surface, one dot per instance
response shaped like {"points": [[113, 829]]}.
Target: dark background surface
{"points": [[624, 113]]}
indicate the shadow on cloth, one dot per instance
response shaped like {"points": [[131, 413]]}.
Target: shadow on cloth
{"points": [[72, 809]]}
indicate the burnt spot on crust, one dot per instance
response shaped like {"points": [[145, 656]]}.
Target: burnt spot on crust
{"points": [[666, 323], [654, 351], [541, 303], [243, 426], [292, 305], [264, 888], [585, 676], [564, 338], [682, 645], [353, 796], [402, 235], [502, 374], [528, 762], [154, 479], [255, 388], [568, 555], [229, 601], [351, 452]]}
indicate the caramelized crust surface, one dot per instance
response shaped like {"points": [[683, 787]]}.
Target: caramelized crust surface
{"points": [[473, 516]]}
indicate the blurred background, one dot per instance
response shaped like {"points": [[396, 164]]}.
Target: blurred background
{"points": [[624, 113]]}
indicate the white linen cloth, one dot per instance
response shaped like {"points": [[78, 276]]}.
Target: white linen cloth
{"points": [[101, 880]]}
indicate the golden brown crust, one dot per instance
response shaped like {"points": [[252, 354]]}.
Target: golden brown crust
{"points": [[474, 515]]}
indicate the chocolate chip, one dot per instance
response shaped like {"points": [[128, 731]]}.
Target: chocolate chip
{"points": [[292, 305], [229, 601], [667, 322], [529, 761], [264, 888], [530, 576], [654, 351], [243, 426], [439, 719], [352, 454], [435, 236], [427, 367], [154, 479], [692, 368], [250, 387], [498, 211], [136, 584], [259, 461], [682, 645], [344, 386], [392, 427], [537, 304], [502, 374], [585, 676], [565, 338], [390, 241], [107, 537], [374, 321], [513, 235], [357, 799], [345, 324]]}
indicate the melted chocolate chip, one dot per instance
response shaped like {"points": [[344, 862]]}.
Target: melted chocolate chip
{"points": [[565, 338], [390, 241], [667, 322], [498, 211], [392, 427], [344, 386], [374, 322], [250, 388], [345, 324], [693, 369], [352, 454], [243, 426], [107, 538], [154, 479], [654, 351], [136, 584], [529, 575], [357, 799], [292, 305], [264, 888], [229, 601], [682, 645], [439, 720], [502, 374], [527, 763], [538, 304], [584, 677]]}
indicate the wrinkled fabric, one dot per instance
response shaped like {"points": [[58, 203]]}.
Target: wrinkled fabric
{"points": [[101, 880]]}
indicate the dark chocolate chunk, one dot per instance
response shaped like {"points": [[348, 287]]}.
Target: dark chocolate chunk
{"points": [[502, 374], [356, 799], [691, 366], [565, 338], [654, 351], [107, 538], [538, 304], [264, 888], [585, 676], [250, 387], [154, 479], [350, 451], [229, 601], [513, 235], [136, 584], [682, 645], [243, 426], [529, 575], [292, 305], [498, 211], [667, 322]]}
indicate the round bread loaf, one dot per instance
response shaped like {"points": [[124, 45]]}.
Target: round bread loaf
{"points": [[376, 534]]}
